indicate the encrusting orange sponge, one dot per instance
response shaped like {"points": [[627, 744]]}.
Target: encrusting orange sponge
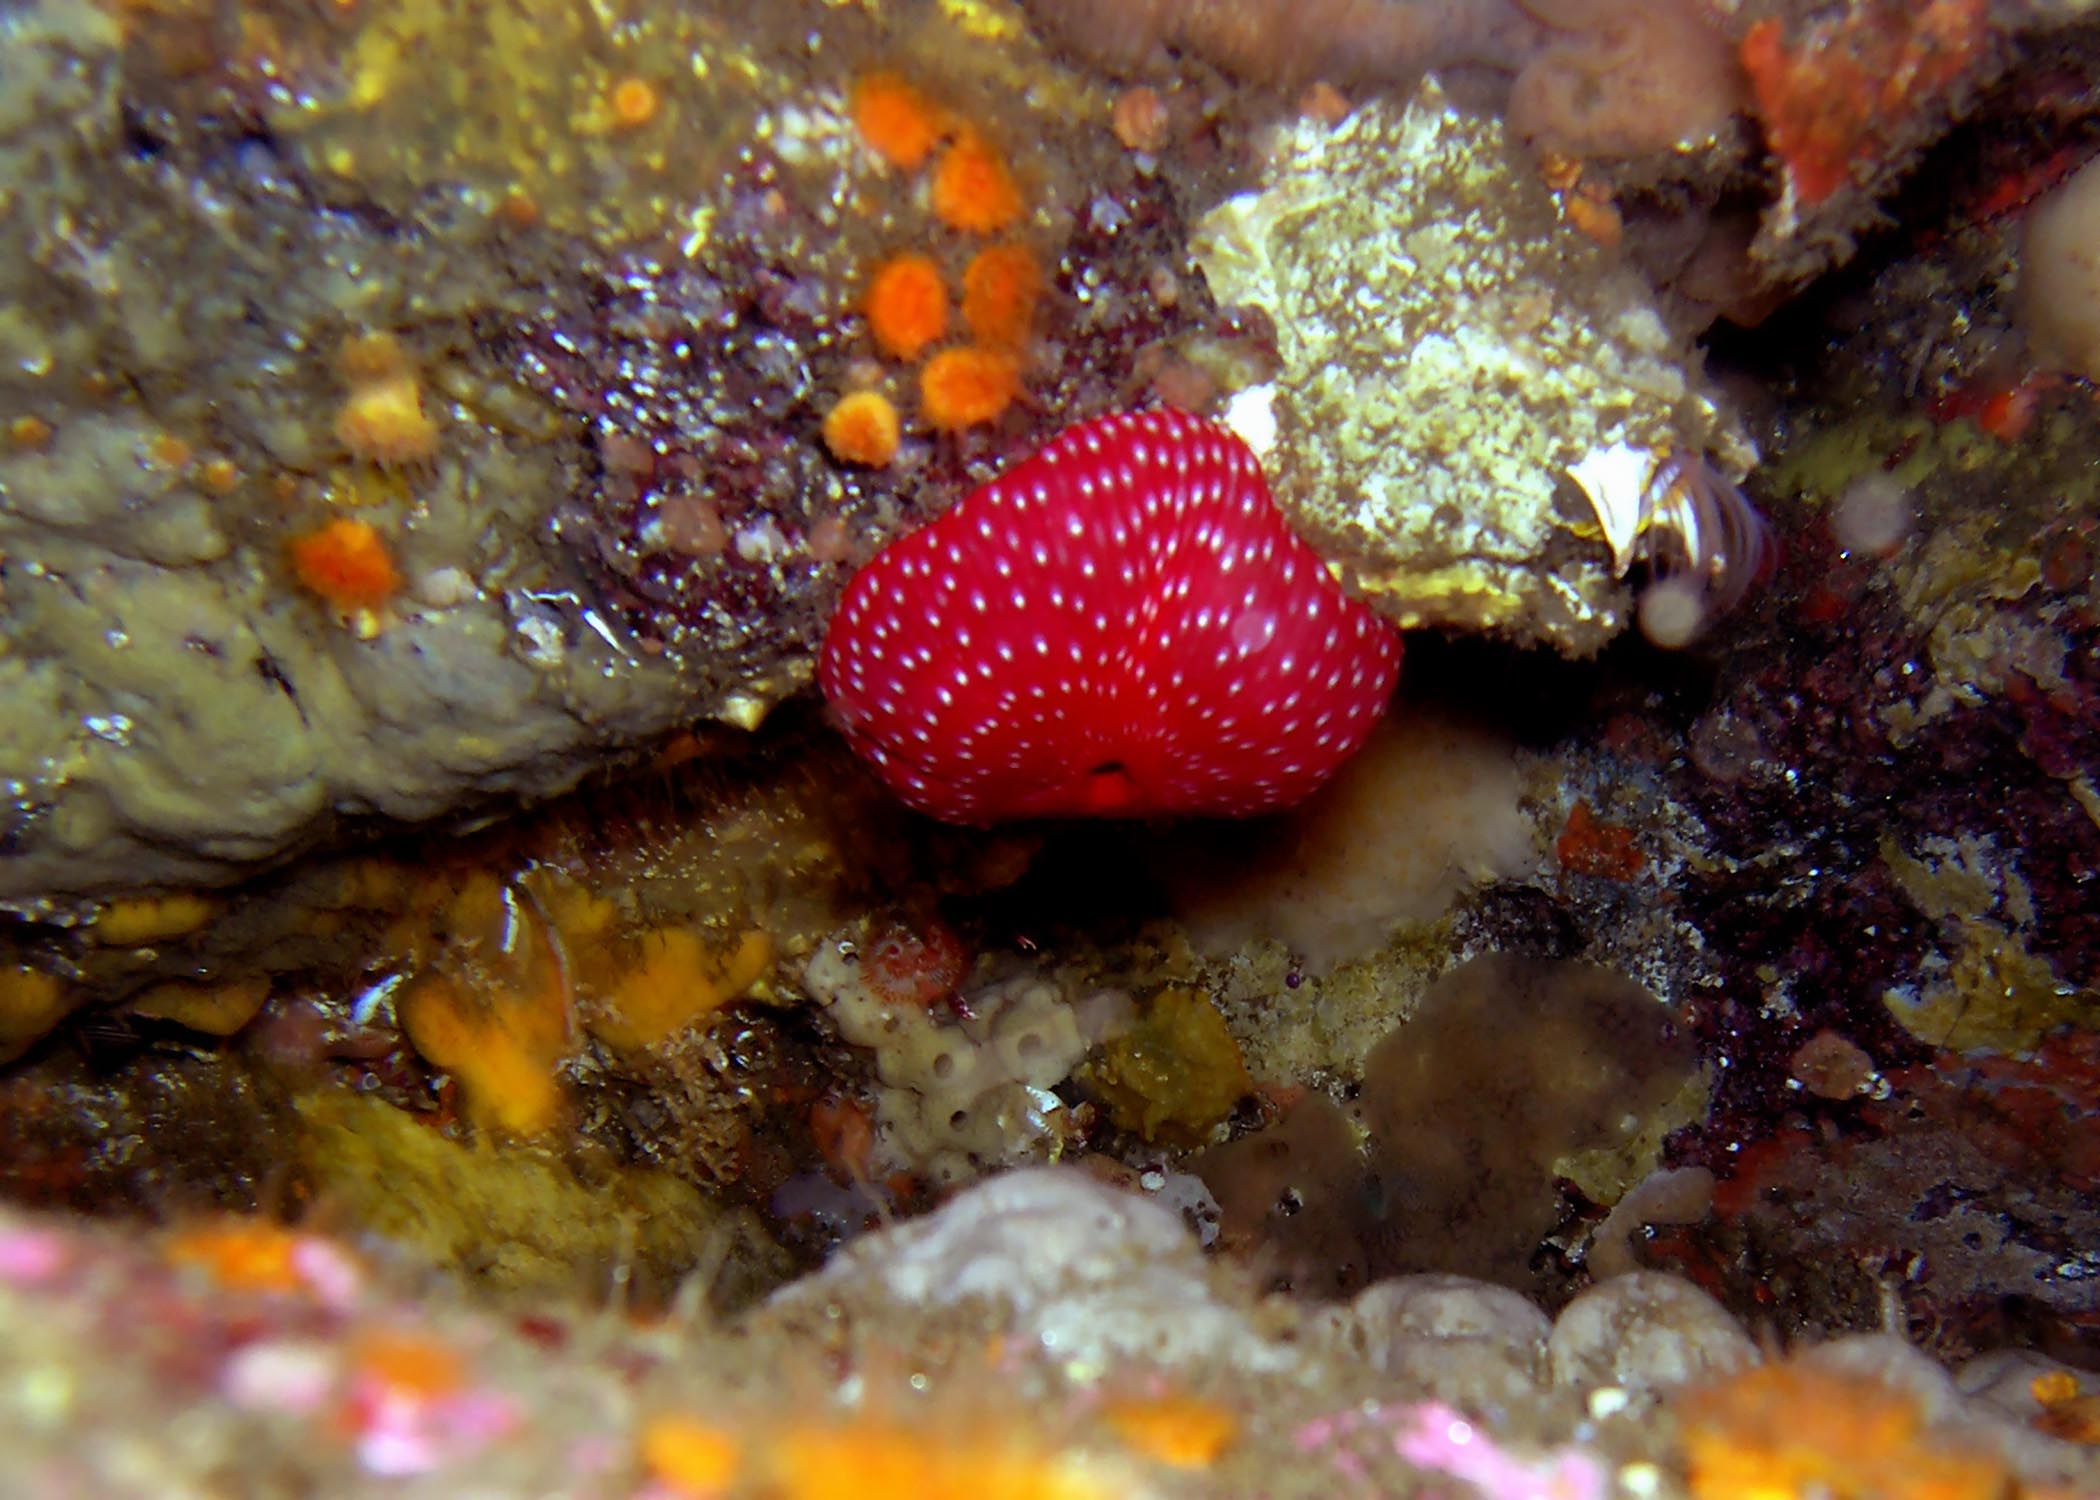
{"points": [[1180, 1431], [972, 189], [900, 124], [906, 306], [502, 1047], [967, 387], [673, 983], [346, 563], [1000, 289], [689, 1456], [1789, 1428], [240, 1254], [862, 429]]}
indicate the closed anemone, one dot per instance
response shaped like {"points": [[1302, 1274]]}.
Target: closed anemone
{"points": [[1704, 544]]}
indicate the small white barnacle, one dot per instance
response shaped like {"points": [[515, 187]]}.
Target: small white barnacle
{"points": [[1696, 535], [1614, 479]]}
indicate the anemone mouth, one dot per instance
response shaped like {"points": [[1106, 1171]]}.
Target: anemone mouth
{"points": [[1110, 787]]}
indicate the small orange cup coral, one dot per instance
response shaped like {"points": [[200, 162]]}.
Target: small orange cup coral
{"points": [[346, 563], [897, 121], [367, 358], [972, 189], [967, 387], [906, 305], [863, 429], [1000, 289], [635, 102]]}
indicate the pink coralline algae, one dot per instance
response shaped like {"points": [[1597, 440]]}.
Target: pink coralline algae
{"points": [[1441, 1440], [1122, 625]]}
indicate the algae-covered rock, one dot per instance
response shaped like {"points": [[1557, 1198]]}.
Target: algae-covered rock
{"points": [[191, 325], [1454, 356], [409, 409]]}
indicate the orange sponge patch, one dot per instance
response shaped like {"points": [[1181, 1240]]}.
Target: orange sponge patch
{"points": [[862, 429], [972, 189], [674, 983], [819, 1461], [691, 1457], [242, 1254], [967, 387], [898, 122], [502, 1048], [1790, 1429], [346, 563], [906, 305], [1180, 1431], [1000, 290]]}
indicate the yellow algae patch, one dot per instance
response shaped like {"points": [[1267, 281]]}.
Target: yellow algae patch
{"points": [[151, 919], [378, 884], [500, 1045], [673, 983], [1174, 1074], [214, 1009], [697, 1459], [31, 1003], [873, 1461], [1180, 1431], [584, 918], [1994, 993], [513, 1217]]}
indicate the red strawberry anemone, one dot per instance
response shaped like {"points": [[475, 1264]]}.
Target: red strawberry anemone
{"points": [[1122, 625]]}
